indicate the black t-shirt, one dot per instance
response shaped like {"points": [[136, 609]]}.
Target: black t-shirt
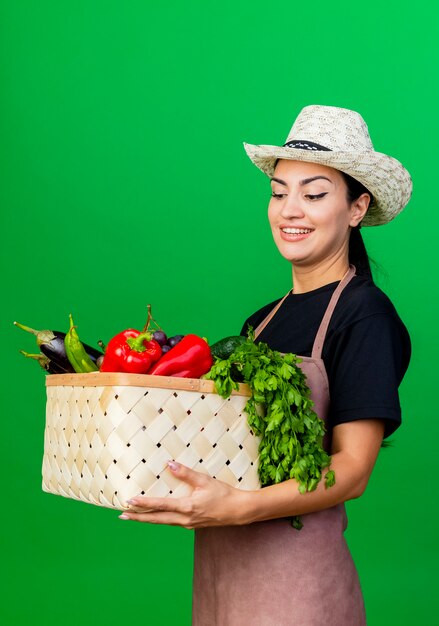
{"points": [[366, 351]]}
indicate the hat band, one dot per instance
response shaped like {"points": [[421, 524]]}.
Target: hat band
{"points": [[305, 145]]}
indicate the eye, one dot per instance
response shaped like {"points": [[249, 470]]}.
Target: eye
{"points": [[277, 195], [316, 197]]}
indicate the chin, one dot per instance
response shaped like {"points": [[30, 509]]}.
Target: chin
{"points": [[293, 256]]}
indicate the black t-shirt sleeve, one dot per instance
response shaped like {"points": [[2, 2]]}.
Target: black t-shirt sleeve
{"points": [[368, 361]]}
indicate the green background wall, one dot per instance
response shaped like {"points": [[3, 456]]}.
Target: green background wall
{"points": [[125, 182]]}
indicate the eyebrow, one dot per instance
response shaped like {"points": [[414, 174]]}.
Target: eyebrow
{"points": [[303, 182]]}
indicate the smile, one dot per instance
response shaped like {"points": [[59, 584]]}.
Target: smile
{"points": [[296, 231]]}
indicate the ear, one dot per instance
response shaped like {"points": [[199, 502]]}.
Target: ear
{"points": [[359, 209]]}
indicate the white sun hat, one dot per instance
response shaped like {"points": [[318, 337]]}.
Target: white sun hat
{"points": [[339, 138]]}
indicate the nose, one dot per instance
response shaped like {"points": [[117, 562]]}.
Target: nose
{"points": [[291, 207]]}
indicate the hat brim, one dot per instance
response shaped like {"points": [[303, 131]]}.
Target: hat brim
{"points": [[385, 177]]}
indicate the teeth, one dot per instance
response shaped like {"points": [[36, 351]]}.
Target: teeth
{"points": [[296, 231]]}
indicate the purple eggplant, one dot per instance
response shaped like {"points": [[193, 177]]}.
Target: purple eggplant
{"points": [[51, 344], [49, 366]]}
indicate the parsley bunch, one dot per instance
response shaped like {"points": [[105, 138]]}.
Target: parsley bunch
{"points": [[280, 412]]}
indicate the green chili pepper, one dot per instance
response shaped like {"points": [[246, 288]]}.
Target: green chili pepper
{"points": [[76, 353]]}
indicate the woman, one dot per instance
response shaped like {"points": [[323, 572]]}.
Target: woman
{"points": [[251, 566]]}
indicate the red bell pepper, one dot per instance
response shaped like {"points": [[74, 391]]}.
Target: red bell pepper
{"points": [[190, 358], [131, 351]]}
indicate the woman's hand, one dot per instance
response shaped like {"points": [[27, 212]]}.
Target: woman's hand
{"points": [[211, 503], [355, 446]]}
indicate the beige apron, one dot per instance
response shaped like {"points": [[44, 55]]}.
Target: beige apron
{"points": [[269, 574]]}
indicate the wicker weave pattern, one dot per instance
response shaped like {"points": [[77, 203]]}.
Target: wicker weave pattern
{"points": [[106, 444]]}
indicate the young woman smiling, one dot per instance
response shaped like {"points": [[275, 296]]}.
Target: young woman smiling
{"points": [[250, 566], [311, 217]]}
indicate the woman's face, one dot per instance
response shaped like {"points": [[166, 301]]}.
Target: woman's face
{"points": [[309, 213]]}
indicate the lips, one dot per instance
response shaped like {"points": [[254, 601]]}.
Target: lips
{"points": [[296, 231]]}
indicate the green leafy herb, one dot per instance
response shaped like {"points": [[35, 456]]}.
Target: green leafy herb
{"points": [[280, 412]]}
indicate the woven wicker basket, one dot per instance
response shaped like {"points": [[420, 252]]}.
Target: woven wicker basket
{"points": [[108, 437]]}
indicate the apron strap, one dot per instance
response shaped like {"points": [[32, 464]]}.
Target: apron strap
{"points": [[323, 328], [269, 317], [321, 333]]}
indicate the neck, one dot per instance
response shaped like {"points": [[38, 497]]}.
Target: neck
{"points": [[310, 277]]}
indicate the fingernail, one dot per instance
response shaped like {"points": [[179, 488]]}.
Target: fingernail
{"points": [[132, 501], [173, 465], [123, 516]]}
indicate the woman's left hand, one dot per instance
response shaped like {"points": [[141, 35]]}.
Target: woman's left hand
{"points": [[211, 503]]}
